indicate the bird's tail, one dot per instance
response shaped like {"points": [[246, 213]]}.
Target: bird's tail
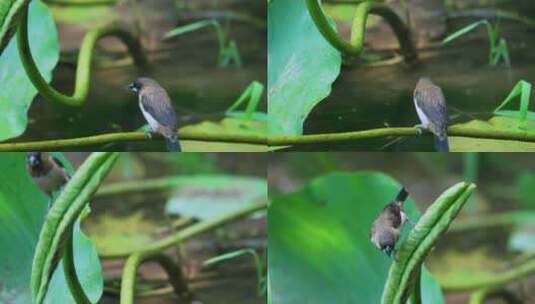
{"points": [[402, 195], [173, 145], [441, 143]]}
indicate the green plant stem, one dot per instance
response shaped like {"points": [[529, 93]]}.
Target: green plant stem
{"points": [[81, 3], [416, 295], [83, 70], [153, 184], [358, 29], [493, 220], [74, 143], [462, 282], [187, 233], [69, 270], [461, 131], [62, 216], [134, 260], [479, 296], [174, 273]]}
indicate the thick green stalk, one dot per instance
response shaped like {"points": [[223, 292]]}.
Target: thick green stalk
{"points": [[69, 270], [83, 70], [135, 259], [461, 131], [74, 143], [62, 216]]}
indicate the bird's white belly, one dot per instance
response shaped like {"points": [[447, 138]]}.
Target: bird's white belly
{"points": [[421, 115], [152, 122]]}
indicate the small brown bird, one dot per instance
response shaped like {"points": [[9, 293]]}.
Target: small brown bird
{"points": [[430, 105], [157, 109], [386, 228], [47, 171]]}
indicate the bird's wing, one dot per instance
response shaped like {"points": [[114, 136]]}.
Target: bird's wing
{"points": [[56, 162], [433, 104], [158, 105], [393, 215]]}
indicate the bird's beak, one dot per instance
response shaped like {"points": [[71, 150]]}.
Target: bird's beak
{"points": [[132, 88], [33, 161]]}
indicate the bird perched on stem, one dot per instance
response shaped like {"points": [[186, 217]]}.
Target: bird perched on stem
{"points": [[47, 172], [157, 109], [430, 105], [386, 228]]}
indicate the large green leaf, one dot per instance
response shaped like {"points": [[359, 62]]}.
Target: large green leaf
{"points": [[22, 211], [319, 245], [205, 196], [495, 124], [16, 90], [302, 65]]}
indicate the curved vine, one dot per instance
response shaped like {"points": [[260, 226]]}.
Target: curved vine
{"points": [[83, 70], [152, 250], [358, 28]]}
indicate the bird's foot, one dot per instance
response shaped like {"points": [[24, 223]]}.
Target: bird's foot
{"points": [[148, 134], [419, 129], [390, 251], [411, 223]]}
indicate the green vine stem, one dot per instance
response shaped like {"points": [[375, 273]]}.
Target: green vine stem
{"points": [[421, 239], [81, 3], [358, 28], [134, 260], [83, 70], [74, 143], [485, 221], [479, 296], [490, 280], [188, 232], [174, 273], [69, 270], [456, 130], [144, 185], [62, 216], [416, 295]]}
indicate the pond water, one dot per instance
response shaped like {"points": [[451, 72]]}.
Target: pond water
{"points": [[375, 97], [187, 68]]}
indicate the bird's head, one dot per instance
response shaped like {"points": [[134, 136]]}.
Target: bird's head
{"points": [[140, 83], [34, 159], [424, 82]]}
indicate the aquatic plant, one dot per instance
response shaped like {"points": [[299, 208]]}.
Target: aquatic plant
{"points": [[228, 49], [497, 45]]}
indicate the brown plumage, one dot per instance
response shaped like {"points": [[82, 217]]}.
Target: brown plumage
{"points": [[386, 228], [430, 105], [157, 109], [47, 172]]}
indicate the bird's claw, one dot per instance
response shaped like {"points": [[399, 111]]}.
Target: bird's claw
{"points": [[419, 129], [148, 134]]}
